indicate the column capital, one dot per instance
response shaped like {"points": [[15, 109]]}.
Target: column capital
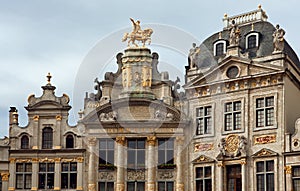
{"points": [[243, 162], [12, 160], [120, 140], [5, 176], [79, 188], [56, 188], [180, 140], [151, 140], [11, 188], [179, 187], [92, 141], [288, 169], [57, 160], [80, 159], [34, 160], [34, 188], [220, 164], [120, 187], [92, 187]]}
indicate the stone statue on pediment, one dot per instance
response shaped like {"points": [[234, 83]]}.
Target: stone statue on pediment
{"points": [[278, 39]]}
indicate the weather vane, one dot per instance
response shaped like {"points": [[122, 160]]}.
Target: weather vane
{"points": [[138, 34]]}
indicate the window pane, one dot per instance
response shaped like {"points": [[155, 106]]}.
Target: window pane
{"points": [[19, 181], [110, 186], [110, 157], [252, 41], [161, 157], [50, 180], [170, 186], [199, 185], [228, 122], [269, 116], [219, 49], [141, 144], [269, 101], [228, 107], [270, 166], [296, 185], [65, 167], [260, 103], [199, 172], [19, 167], [237, 106], [260, 118], [102, 144], [131, 157], [140, 186], [296, 171], [130, 186], [42, 167], [50, 167], [207, 111], [260, 166], [64, 180], [28, 167], [208, 185], [42, 180], [131, 144], [27, 181], [73, 180], [207, 171], [73, 167], [102, 186], [110, 144], [270, 182], [200, 112]]}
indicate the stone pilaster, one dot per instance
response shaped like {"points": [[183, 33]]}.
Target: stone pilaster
{"points": [[244, 175], [57, 169], [179, 164], [120, 164], [12, 177], [36, 137], [220, 179], [80, 174], [288, 176], [5, 178], [35, 170], [151, 163], [92, 170]]}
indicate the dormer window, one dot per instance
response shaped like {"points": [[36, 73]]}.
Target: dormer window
{"points": [[252, 40], [220, 48], [69, 141]]}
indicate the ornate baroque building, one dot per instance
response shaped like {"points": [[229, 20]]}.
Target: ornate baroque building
{"points": [[235, 127]]}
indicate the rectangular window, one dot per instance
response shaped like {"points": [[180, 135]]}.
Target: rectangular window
{"points": [[265, 112], [265, 175], [23, 175], [106, 153], [68, 175], [233, 116], [204, 120], [165, 186], [203, 179], [166, 152], [135, 186], [296, 178], [46, 175], [106, 186], [136, 153]]}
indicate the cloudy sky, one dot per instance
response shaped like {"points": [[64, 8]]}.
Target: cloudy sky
{"points": [[59, 36]]}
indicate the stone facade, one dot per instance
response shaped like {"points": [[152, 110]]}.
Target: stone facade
{"points": [[235, 127]]}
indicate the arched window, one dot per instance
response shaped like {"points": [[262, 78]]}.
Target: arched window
{"points": [[252, 40], [47, 138], [220, 48], [24, 142], [69, 141]]}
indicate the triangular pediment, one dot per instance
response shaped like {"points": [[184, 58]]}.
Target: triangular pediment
{"points": [[232, 68], [203, 159], [265, 153]]}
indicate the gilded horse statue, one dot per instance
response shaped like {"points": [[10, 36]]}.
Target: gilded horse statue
{"points": [[138, 34]]}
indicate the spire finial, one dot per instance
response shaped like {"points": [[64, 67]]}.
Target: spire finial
{"points": [[49, 78], [259, 6]]}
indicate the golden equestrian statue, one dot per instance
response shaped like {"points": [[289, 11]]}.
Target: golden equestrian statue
{"points": [[138, 34]]}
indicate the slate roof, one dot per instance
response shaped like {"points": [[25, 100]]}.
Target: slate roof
{"points": [[265, 48]]}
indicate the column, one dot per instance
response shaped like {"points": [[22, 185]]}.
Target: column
{"points": [[91, 173], [57, 171], [5, 178], [244, 175], [12, 172], [151, 163], [35, 170], [220, 176], [36, 137], [80, 174], [179, 164], [120, 164], [288, 176]]}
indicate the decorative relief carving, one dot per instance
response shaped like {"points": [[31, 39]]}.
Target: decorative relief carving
{"points": [[57, 160], [68, 160], [179, 187], [106, 176], [265, 152], [165, 174], [35, 160], [46, 160], [136, 175], [12, 160], [264, 139], [80, 159], [243, 162], [23, 160], [232, 146], [220, 164], [203, 147], [203, 159], [120, 187], [110, 116]]}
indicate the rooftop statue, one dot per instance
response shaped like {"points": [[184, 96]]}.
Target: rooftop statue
{"points": [[278, 39], [138, 34]]}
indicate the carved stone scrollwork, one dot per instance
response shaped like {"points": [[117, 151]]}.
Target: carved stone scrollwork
{"points": [[106, 176], [136, 175], [110, 116], [161, 115], [165, 174]]}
